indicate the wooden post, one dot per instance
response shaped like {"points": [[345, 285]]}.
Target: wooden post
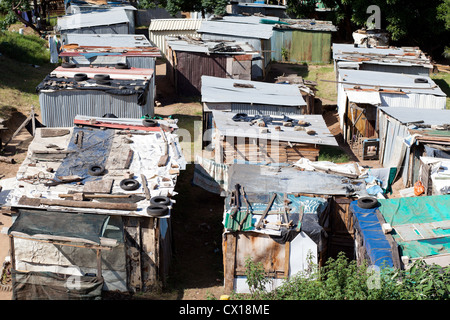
{"points": [[99, 264], [13, 254], [230, 261], [287, 255]]}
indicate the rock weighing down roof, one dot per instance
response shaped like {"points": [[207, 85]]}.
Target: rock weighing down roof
{"points": [[228, 127]]}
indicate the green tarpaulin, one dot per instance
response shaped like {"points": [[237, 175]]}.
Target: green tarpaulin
{"points": [[421, 224]]}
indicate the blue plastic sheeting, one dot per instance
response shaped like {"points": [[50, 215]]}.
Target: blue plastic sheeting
{"points": [[95, 147], [377, 246]]}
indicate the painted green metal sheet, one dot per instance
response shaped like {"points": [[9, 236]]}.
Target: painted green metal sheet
{"points": [[301, 46]]}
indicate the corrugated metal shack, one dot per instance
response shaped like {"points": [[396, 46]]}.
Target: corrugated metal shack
{"points": [[109, 49], [304, 218], [67, 92], [190, 59], [302, 40], [114, 20], [256, 35], [91, 209], [239, 138], [417, 143], [407, 60], [389, 235], [159, 29], [250, 97], [360, 92]]}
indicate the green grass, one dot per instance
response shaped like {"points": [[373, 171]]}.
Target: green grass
{"points": [[333, 154], [25, 48], [442, 79]]}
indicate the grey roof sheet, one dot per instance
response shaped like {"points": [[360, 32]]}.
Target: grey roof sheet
{"points": [[110, 40], [206, 46], [217, 90], [91, 19], [259, 31], [230, 128], [403, 56], [392, 81], [409, 115]]}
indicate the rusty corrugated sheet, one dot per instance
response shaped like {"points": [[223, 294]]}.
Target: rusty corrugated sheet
{"points": [[190, 68], [301, 45]]}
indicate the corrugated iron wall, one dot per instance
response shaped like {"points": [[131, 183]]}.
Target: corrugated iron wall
{"points": [[134, 62], [59, 108], [191, 66], [301, 46]]}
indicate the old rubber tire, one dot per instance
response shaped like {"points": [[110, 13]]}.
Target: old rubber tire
{"points": [[367, 202], [68, 65], [160, 200], [149, 123], [121, 65], [129, 184], [80, 76], [96, 170], [103, 82], [157, 210], [101, 77]]}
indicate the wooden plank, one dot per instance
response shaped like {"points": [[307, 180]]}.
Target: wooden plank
{"points": [[287, 251], [144, 184], [115, 125], [77, 204], [230, 262], [98, 186], [18, 130]]}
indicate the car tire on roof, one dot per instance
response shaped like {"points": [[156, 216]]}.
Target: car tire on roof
{"points": [[80, 76], [129, 184], [101, 77], [149, 123], [96, 170], [367, 202], [157, 210], [68, 65], [121, 65], [160, 200]]}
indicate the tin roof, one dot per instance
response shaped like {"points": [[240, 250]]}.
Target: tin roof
{"points": [[399, 56], [209, 46], [259, 31], [107, 40], [79, 147], [412, 115], [91, 19], [126, 74], [230, 128], [216, 90], [174, 24], [373, 80]]}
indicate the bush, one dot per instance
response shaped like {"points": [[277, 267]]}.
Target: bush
{"points": [[341, 279], [25, 48]]}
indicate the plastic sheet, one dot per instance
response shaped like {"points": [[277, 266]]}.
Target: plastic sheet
{"points": [[377, 246], [94, 150]]}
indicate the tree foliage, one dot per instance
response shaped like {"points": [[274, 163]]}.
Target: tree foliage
{"points": [[409, 22], [174, 6], [343, 279]]}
